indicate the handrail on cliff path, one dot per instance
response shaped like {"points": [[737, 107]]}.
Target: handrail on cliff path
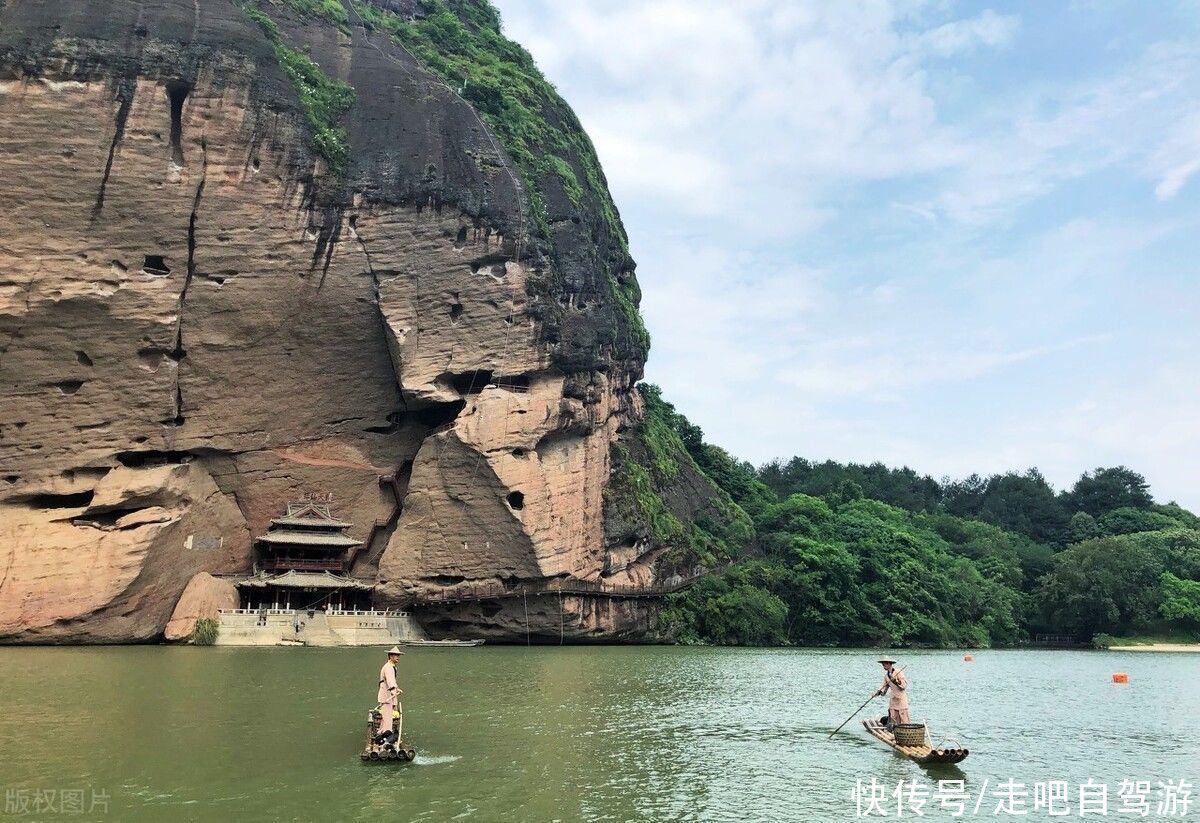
{"points": [[557, 586]]}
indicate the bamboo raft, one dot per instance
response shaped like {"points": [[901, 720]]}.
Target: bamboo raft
{"points": [[400, 752], [924, 754]]}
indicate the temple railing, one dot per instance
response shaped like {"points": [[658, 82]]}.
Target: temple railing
{"points": [[282, 564]]}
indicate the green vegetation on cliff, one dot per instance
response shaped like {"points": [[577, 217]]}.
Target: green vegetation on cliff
{"points": [[331, 11], [323, 99], [649, 467], [985, 561], [461, 42]]}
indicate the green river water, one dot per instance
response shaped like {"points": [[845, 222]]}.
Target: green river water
{"points": [[563, 733]]}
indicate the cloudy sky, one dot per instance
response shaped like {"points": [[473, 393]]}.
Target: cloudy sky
{"points": [[936, 234]]}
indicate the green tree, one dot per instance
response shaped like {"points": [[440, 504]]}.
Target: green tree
{"points": [[1109, 584], [1082, 527], [1180, 599], [1099, 492], [1128, 520], [798, 514], [1022, 503]]}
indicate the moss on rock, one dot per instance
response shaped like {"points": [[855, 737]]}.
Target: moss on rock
{"points": [[461, 42], [323, 99]]}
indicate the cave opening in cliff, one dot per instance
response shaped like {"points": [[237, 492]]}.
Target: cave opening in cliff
{"points": [[436, 415], [472, 382], [152, 457], [156, 264], [516, 501], [514, 382], [49, 500], [395, 421], [177, 92], [107, 519]]}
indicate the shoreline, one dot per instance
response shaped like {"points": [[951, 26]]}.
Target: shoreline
{"points": [[1158, 647]]}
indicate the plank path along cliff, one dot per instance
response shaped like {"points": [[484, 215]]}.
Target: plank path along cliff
{"points": [[255, 250]]}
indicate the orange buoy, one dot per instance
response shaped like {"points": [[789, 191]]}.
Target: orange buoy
{"points": [[968, 657], [1120, 677]]}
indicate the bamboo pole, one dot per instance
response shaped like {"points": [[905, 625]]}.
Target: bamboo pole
{"points": [[874, 694]]}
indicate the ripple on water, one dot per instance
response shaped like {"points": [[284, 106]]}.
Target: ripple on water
{"points": [[600, 733]]}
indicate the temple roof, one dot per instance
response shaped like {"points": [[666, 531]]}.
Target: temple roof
{"points": [[306, 580], [311, 522], [285, 537]]}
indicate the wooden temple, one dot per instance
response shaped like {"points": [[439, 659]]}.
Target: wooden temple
{"points": [[302, 563]]}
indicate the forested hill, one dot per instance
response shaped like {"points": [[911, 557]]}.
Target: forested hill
{"points": [[854, 554]]}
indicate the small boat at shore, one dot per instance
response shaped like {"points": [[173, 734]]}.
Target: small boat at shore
{"points": [[453, 644], [921, 752]]}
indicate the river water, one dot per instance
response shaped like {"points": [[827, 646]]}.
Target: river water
{"points": [[565, 733]]}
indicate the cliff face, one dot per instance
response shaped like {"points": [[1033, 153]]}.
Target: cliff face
{"points": [[255, 250]]}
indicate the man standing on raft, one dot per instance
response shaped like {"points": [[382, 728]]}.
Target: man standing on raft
{"points": [[389, 695], [895, 682]]}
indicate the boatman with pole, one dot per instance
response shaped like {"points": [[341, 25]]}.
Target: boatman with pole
{"points": [[389, 695], [896, 683]]}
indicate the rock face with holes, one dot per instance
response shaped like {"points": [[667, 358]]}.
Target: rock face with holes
{"points": [[200, 320]]}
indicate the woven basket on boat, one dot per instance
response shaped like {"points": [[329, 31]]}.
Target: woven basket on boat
{"points": [[909, 734]]}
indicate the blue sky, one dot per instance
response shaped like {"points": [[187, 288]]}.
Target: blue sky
{"points": [[948, 235]]}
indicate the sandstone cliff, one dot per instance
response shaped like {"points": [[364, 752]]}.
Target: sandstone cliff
{"points": [[258, 249]]}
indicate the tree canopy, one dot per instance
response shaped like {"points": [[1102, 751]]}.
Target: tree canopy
{"points": [[845, 553]]}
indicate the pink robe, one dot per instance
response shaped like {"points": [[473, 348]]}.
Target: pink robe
{"points": [[387, 695], [898, 701]]}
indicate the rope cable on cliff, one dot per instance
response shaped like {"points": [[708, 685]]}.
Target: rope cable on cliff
{"points": [[525, 598]]}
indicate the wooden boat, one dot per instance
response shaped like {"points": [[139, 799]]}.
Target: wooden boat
{"points": [[925, 754], [443, 643]]}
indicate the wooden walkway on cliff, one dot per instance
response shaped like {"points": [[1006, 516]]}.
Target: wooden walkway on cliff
{"points": [[495, 590]]}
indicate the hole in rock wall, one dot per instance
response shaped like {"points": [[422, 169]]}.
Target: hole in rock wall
{"points": [[456, 311], [440, 414], [520, 452], [109, 518], [177, 92], [77, 500], [395, 422], [135, 460], [156, 264], [153, 355], [69, 386], [83, 358], [516, 382], [471, 382], [516, 500]]}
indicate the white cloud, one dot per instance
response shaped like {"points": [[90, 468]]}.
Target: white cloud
{"points": [[856, 243], [988, 29], [1178, 158]]}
